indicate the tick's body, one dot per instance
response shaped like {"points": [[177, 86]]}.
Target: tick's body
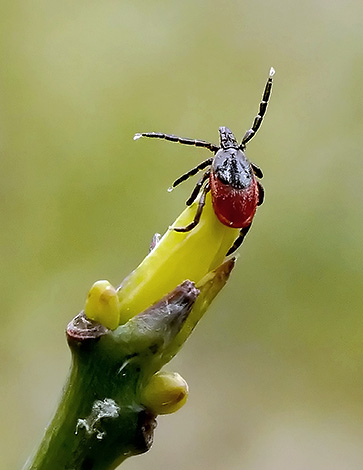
{"points": [[230, 177], [234, 188]]}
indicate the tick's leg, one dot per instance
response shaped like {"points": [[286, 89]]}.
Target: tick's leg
{"points": [[181, 140], [257, 170], [197, 187], [155, 240], [238, 241], [261, 193], [197, 214], [191, 172], [263, 106]]}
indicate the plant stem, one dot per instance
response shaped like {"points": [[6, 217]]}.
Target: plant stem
{"points": [[101, 420]]}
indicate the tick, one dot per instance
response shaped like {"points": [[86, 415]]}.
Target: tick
{"points": [[230, 176]]}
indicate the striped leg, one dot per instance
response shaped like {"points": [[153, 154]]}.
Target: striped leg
{"points": [[238, 241], [197, 187], [263, 106], [191, 172], [196, 219], [180, 140]]}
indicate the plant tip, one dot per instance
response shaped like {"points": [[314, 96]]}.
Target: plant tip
{"points": [[137, 136], [271, 74], [170, 189]]}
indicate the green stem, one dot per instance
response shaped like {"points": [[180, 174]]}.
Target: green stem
{"points": [[97, 424], [101, 420]]}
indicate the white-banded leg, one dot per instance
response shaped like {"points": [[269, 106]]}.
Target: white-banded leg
{"points": [[200, 207], [238, 241], [191, 172], [262, 111], [197, 188], [180, 140]]}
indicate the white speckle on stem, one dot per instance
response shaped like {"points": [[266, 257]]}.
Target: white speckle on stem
{"points": [[101, 410]]}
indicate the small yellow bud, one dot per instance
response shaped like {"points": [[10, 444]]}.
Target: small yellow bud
{"points": [[102, 304], [165, 393]]}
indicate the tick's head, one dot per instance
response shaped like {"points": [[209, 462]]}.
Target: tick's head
{"points": [[227, 139]]}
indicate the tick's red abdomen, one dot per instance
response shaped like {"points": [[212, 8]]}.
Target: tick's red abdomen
{"points": [[233, 207]]}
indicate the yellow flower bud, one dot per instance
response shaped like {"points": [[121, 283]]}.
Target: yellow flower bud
{"points": [[102, 304], [177, 257], [165, 393]]}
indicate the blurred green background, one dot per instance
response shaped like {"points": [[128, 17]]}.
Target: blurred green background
{"points": [[276, 367]]}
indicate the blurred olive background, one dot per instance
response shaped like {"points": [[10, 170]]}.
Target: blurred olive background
{"points": [[276, 367]]}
